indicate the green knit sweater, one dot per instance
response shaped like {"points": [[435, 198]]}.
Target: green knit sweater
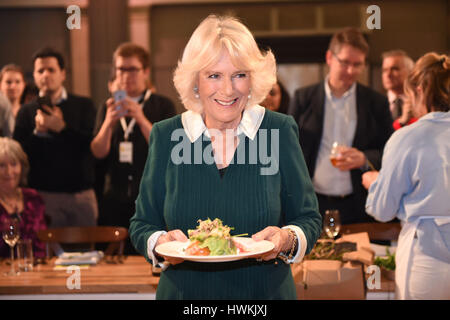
{"points": [[174, 196]]}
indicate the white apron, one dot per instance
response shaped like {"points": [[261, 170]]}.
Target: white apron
{"points": [[404, 252]]}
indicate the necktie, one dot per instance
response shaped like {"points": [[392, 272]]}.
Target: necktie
{"points": [[397, 112]]}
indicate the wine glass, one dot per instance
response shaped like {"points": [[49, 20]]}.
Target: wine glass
{"points": [[332, 223], [10, 233]]}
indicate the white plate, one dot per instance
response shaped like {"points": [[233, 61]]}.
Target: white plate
{"points": [[175, 249]]}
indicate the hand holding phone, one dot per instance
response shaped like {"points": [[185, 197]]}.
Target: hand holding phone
{"points": [[45, 101], [119, 96]]}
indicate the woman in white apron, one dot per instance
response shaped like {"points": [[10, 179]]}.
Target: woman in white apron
{"points": [[414, 184]]}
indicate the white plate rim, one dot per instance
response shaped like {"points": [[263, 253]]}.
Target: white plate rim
{"points": [[172, 249]]}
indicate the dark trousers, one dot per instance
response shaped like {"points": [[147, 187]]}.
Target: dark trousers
{"points": [[351, 207]]}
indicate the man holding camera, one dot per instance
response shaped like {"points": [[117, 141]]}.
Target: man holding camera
{"points": [[55, 132], [122, 133]]}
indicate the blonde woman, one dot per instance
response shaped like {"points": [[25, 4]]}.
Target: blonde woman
{"points": [[219, 173], [414, 184], [16, 200]]}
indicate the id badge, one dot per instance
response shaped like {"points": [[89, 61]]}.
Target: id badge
{"points": [[126, 152]]}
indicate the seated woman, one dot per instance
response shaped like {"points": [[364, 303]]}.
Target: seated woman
{"points": [[413, 184], [23, 203]]}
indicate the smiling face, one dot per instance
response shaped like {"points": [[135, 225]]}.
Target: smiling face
{"points": [[12, 85], [223, 91], [10, 173]]}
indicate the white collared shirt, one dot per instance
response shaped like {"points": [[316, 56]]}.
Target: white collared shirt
{"points": [[339, 126], [392, 97], [60, 99], [194, 127]]}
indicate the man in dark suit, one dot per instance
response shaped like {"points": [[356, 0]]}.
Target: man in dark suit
{"points": [[354, 119]]}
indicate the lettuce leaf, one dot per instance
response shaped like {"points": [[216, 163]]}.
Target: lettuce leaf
{"points": [[219, 246]]}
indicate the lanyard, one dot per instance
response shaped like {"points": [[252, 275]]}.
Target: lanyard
{"points": [[128, 129]]}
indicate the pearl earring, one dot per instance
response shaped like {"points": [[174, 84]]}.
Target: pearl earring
{"points": [[196, 95]]}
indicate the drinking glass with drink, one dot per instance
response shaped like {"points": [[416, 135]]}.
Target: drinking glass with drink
{"points": [[336, 152]]}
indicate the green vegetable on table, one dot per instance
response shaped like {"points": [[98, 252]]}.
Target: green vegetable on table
{"points": [[388, 263]]}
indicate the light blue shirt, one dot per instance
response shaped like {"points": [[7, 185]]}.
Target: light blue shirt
{"points": [[414, 179], [339, 126]]}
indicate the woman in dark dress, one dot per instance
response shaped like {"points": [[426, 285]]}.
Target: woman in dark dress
{"points": [[212, 161]]}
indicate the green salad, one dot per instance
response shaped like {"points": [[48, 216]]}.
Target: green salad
{"points": [[211, 237]]}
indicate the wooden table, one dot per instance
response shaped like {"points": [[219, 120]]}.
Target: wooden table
{"points": [[376, 230], [131, 280], [133, 276]]}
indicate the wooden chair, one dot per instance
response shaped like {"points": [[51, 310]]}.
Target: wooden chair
{"points": [[377, 231], [115, 236]]}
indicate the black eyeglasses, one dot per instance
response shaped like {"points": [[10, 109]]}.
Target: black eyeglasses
{"points": [[345, 64], [130, 70]]}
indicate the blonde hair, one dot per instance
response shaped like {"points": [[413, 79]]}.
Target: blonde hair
{"points": [[432, 73], [11, 68], [205, 47], [11, 149]]}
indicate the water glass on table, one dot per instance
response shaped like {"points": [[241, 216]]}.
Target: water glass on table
{"points": [[25, 255], [332, 223]]}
